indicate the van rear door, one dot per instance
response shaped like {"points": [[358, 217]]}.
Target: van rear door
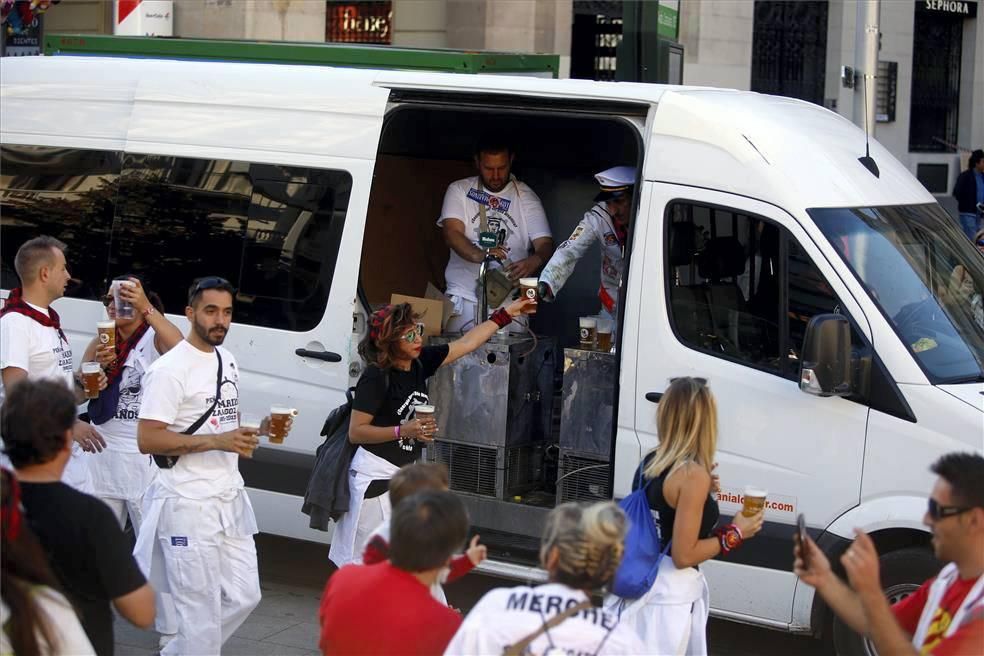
{"points": [[262, 179]]}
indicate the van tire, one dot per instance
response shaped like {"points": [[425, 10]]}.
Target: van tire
{"points": [[902, 572]]}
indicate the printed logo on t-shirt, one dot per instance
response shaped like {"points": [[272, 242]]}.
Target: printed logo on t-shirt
{"points": [[128, 408], [490, 201], [64, 355], [407, 413], [937, 629], [179, 541]]}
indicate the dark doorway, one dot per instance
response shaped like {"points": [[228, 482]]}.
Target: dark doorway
{"points": [[789, 48], [935, 82], [595, 36]]}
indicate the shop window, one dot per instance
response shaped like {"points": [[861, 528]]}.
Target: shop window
{"points": [[742, 288], [67, 193], [936, 53], [273, 231], [359, 22], [789, 48]]}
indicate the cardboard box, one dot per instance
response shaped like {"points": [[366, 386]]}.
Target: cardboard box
{"points": [[431, 311]]}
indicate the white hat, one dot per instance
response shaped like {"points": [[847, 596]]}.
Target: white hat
{"points": [[615, 180]]}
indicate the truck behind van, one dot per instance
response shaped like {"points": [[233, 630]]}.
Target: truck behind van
{"points": [[833, 306]]}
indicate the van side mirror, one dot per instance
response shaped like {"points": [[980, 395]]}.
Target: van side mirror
{"points": [[826, 356]]}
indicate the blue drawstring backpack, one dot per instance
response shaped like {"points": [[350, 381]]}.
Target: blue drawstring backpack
{"points": [[642, 554]]}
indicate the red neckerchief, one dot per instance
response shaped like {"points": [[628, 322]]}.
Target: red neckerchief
{"points": [[621, 232], [16, 303], [123, 351]]}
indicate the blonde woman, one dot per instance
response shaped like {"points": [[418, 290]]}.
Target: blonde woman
{"points": [[672, 617], [581, 549]]}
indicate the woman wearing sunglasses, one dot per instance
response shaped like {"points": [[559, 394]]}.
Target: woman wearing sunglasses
{"points": [[384, 422], [672, 617], [120, 474]]}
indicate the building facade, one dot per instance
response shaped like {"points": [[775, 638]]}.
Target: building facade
{"points": [[929, 93]]}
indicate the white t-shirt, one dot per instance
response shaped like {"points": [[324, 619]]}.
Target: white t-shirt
{"points": [[37, 349], [505, 616], [178, 388], [120, 432], [514, 214], [61, 621]]}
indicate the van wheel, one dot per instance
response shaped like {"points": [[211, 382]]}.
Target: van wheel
{"points": [[902, 572]]}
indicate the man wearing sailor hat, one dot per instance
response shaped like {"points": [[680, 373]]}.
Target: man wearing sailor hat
{"points": [[607, 221]]}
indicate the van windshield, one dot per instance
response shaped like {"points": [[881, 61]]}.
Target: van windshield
{"points": [[925, 276]]}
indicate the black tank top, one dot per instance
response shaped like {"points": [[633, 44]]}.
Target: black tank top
{"points": [[667, 515]]}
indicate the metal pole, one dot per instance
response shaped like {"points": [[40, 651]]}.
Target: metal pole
{"points": [[866, 63]]}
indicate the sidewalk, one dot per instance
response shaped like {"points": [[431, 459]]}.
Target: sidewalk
{"points": [[292, 576]]}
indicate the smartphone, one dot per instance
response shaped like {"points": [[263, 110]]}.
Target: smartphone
{"points": [[801, 537]]}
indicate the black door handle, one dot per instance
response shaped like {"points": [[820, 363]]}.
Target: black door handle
{"points": [[654, 397], [327, 356]]}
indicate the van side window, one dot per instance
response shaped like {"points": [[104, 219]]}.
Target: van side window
{"points": [[67, 193], [741, 288], [272, 231]]}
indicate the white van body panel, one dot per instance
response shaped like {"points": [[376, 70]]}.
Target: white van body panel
{"points": [[899, 453], [790, 153], [872, 515]]}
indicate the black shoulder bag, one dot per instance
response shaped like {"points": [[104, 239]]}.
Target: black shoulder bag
{"points": [[166, 462]]}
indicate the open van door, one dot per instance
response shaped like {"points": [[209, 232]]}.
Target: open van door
{"points": [[730, 286], [273, 197]]}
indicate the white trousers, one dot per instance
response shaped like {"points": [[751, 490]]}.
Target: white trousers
{"points": [[212, 575], [670, 619]]}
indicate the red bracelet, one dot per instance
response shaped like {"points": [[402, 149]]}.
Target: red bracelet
{"points": [[730, 538], [501, 318]]}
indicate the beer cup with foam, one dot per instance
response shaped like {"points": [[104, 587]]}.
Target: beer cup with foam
{"points": [[589, 332], [107, 333], [90, 379], [527, 290], [605, 334], [754, 500], [279, 417]]}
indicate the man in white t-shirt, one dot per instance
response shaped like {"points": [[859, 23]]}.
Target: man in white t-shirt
{"points": [[198, 527], [491, 213], [33, 344]]}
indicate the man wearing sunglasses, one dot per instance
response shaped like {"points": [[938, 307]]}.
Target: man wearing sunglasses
{"points": [[944, 617], [198, 522]]}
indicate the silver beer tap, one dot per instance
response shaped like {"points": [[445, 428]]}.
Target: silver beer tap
{"points": [[482, 307]]}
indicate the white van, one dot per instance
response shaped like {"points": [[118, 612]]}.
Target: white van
{"points": [[316, 191]]}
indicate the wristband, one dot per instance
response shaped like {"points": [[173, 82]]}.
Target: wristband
{"points": [[501, 318], [730, 538], [149, 311], [396, 431]]}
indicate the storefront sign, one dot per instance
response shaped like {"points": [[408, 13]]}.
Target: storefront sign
{"points": [[967, 8], [360, 22], [668, 19], [25, 42]]}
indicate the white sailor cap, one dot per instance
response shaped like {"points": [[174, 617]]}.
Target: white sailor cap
{"points": [[615, 180]]}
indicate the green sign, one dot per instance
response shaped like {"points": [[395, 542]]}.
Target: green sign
{"points": [[668, 19]]}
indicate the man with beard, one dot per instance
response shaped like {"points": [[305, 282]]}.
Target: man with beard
{"points": [[944, 617], [196, 539], [492, 213]]}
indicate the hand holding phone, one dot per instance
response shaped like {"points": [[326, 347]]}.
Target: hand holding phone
{"points": [[801, 538]]}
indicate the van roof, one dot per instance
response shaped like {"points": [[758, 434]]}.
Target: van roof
{"points": [[788, 152]]}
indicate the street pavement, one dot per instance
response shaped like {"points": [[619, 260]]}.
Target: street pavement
{"points": [[292, 575]]}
